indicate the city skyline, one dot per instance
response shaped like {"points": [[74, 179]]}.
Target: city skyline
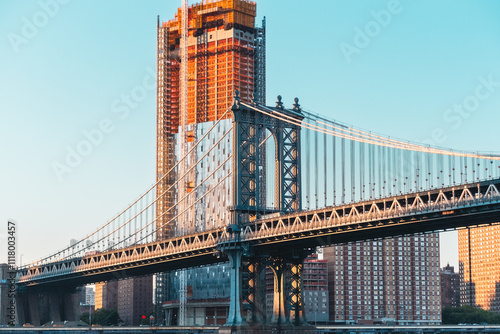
{"points": [[66, 85]]}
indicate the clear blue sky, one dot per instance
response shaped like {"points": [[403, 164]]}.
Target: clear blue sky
{"points": [[394, 67]]}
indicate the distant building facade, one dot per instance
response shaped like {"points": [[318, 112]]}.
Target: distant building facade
{"points": [[479, 267], [135, 299], [89, 296], [385, 281], [106, 295], [315, 293], [450, 287], [207, 296], [83, 295]]}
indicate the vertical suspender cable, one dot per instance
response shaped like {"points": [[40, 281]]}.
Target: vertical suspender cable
{"points": [[396, 171], [441, 168], [370, 176], [316, 168], [380, 166], [334, 174], [393, 171], [465, 170], [473, 164], [454, 164], [353, 169], [399, 173], [418, 155], [461, 170], [325, 174], [361, 171], [135, 220], [343, 168], [371, 164], [390, 165], [428, 170], [449, 170], [127, 237], [407, 162], [385, 171], [307, 169]]}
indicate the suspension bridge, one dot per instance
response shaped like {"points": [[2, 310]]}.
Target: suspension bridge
{"points": [[265, 186]]}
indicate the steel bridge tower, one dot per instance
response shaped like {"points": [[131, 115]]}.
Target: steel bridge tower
{"points": [[247, 307]]}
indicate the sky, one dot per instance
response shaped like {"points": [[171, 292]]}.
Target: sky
{"points": [[427, 71]]}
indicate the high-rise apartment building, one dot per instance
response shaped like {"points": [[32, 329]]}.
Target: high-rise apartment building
{"points": [[450, 287], [106, 295], [385, 281], [135, 299], [479, 267], [222, 51]]}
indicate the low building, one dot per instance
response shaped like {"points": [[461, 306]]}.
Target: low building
{"points": [[207, 296]]}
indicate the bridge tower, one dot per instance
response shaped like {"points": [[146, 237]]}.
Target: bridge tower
{"points": [[247, 307], [249, 127]]}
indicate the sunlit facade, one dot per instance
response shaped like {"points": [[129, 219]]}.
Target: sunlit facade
{"points": [[479, 267], [391, 281]]}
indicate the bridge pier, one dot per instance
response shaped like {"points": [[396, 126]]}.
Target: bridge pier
{"points": [[278, 266], [296, 301], [234, 317], [288, 306], [37, 307]]}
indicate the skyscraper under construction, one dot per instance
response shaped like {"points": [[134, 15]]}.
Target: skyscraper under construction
{"points": [[225, 52], [204, 54]]}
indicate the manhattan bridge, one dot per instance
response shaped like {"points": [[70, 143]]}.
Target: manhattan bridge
{"points": [[264, 186]]}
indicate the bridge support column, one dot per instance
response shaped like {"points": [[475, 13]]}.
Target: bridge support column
{"points": [[38, 307], [235, 318], [296, 302], [253, 291]]}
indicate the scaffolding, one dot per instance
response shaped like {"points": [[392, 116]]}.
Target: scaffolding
{"points": [[221, 49], [167, 118]]}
